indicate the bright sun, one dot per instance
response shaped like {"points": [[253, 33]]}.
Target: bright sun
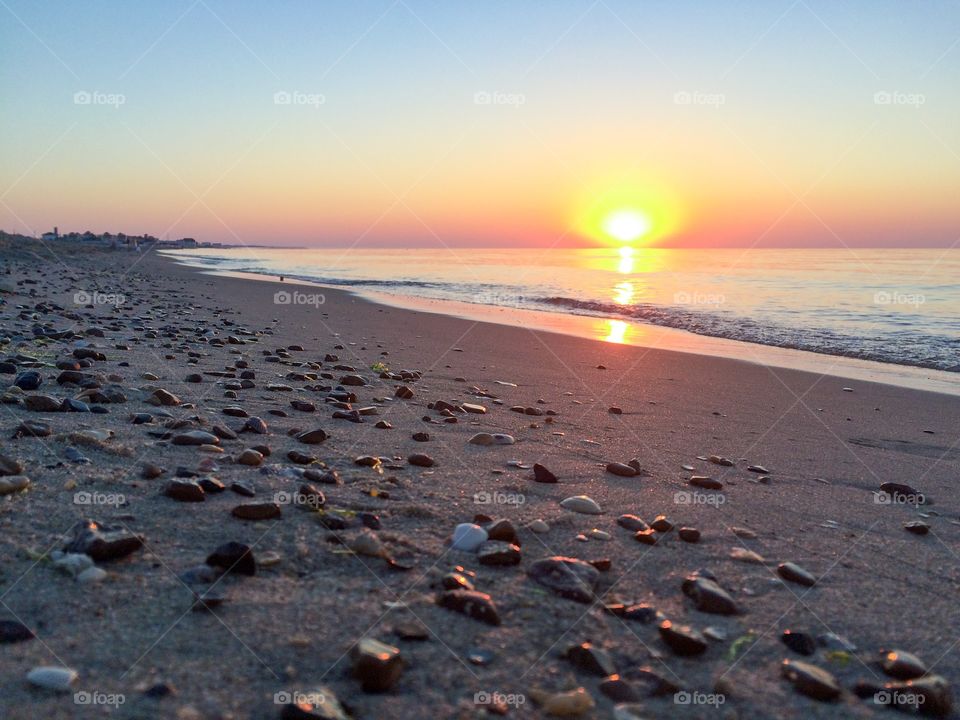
{"points": [[626, 225]]}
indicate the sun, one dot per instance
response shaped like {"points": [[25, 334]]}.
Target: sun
{"points": [[627, 225]]}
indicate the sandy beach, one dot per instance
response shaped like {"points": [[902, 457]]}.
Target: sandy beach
{"points": [[792, 465]]}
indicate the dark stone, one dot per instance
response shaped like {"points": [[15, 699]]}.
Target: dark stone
{"points": [[709, 596], [682, 639], [12, 631], [471, 603], [28, 380], [185, 491], [420, 460], [234, 557], [800, 643], [256, 511], [810, 680], [796, 574], [497, 552], [542, 475], [567, 577], [591, 659], [102, 542], [632, 523]]}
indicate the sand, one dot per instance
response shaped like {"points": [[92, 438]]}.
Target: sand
{"points": [[291, 627]]}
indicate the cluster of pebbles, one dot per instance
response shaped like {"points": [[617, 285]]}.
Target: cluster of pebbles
{"points": [[229, 424]]}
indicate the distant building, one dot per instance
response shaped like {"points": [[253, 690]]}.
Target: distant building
{"points": [[188, 243], [55, 235]]}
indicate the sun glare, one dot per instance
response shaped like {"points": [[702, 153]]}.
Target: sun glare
{"points": [[627, 225]]}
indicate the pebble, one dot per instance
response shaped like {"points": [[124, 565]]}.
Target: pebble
{"points": [[312, 437], [708, 596], [622, 469], [744, 555], [567, 577], [917, 527], [682, 639], [706, 483], [233, 557], [250, 457], [632, 523], [810, 680], [563, 704], [662, 524], [473, 604], [102, 542], [902, 665], [420, 460], [256, 511], [13, 483], [256, 425], [28, 380], [12, 631], [581, 504], [59, 679], [468, 537], [591, 659], [796, 574], [539, 526], [196, 437], [185, 491], [9, 466], [498, 552], [368, 543], [800, 643], [689, 534], [542, 475], [377, 665]]}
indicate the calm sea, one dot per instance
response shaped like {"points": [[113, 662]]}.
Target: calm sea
{"points": [[893, 306]]}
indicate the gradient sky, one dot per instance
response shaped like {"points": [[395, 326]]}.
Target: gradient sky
{"points": [[734, 123]]}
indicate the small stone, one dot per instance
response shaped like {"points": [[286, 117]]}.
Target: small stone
{"points": [[917, 527], [632, 523], [421, 437], [567, 577], [810, 680], [312, 437], [12, 631], [368, 543], [709, 596], [591, 659], [235, 558], [376, 664], [682, 639], [250, 457], [930, 695], [420, 460], [471, 603], [744, 555], [902, 665], [483, 439], [475, 409], [41, 403], [744, 533], [689, 534], [196, 437], [497, 552], [621, 469], [539, 526], [9, 466], [58, 679], [256, 425], [185, 491], [662, 524], [619, 690], [706, 483], [581, 504], [720, 460], [542, 475], [563, 704], [796, 574], [468, 537], [256, 511], [13, 483], [403, 392], [800, 643], [92, 575], [28, 380], [647, 537], [102, 542], [614, 410]]}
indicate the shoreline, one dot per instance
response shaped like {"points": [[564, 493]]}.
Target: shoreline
{"points": [[320, 586], [644, 335]]}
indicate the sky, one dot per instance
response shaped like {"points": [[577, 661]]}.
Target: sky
{"points": [[514, 123]]}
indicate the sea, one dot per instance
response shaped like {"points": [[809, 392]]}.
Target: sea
{"points": [[895, 306]]}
